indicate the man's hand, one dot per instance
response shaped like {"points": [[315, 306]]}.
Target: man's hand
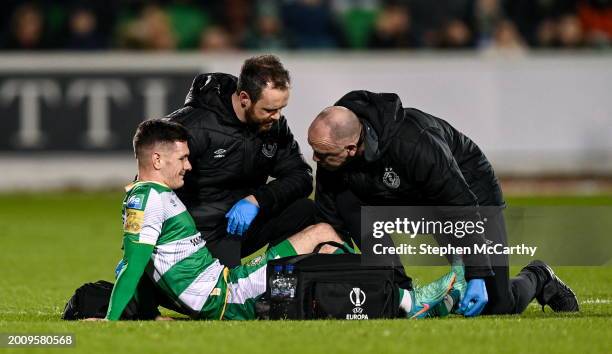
{"points": [[241, 215], [475, 298]]}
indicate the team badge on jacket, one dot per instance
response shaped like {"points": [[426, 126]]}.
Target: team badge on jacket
{"points": [[269, 149], [390, 178]]}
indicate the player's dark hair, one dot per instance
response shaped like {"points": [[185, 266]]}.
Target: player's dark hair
{"points": [[155, 131], [258, 71]]}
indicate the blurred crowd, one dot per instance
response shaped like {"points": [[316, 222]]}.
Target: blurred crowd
{"points": [[305, 24]]}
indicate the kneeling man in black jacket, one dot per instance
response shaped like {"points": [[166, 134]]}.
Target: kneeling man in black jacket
{"points": [[370, 150]]}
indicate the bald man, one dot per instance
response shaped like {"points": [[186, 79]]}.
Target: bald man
{"points": [[370, 150]]}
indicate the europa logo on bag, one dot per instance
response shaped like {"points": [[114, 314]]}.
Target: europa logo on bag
{"points": [[358, 298]]}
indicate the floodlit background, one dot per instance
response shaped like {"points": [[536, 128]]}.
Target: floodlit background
{"points": [[529, 81]]}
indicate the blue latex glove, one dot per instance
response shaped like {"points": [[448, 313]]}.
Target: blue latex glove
{"points": [[240, 217], [475, 298]]}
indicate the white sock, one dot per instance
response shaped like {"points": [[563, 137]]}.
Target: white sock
{"points": [[406, 300]]}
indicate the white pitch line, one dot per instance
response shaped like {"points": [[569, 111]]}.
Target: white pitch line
{"points": [[596, 301]]}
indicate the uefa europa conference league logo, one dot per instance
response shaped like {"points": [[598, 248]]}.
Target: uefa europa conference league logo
{"points": [[358, 298]]}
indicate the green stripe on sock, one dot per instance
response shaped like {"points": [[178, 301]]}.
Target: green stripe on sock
{"points": [[341, 251]]}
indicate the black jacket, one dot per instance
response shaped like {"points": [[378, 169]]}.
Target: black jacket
{"points": [[410, 158], [231, 160]]}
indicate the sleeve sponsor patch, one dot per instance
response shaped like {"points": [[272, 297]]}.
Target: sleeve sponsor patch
{"points": [[135, 201], [255, 261], [133, 221]]}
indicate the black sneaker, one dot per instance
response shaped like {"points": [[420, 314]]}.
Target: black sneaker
{"points": [[554, 293]]}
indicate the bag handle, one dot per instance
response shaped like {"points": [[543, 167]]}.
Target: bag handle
{"points": [[330, 243]]}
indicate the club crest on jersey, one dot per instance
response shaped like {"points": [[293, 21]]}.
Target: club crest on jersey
{"points": [[255, 261], [269, 149], [390, 178], [135, 201]]}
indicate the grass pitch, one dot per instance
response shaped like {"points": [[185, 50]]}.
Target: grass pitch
{"points": [[51, 243]]}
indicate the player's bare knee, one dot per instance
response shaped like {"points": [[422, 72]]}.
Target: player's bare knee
{"points": [[308, 229], [327, 249], [323, 232]]}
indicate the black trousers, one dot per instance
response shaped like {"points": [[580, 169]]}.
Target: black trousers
{"points": [[270, 230], [506, 295]]}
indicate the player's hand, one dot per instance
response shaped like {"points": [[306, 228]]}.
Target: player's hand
{"points": [[241, 215], [475, 298]]}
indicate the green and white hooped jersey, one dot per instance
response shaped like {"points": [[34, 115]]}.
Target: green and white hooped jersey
{"points": [[181, 266]]}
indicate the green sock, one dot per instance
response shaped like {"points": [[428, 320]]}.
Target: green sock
{"points": [[341, 251]]}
